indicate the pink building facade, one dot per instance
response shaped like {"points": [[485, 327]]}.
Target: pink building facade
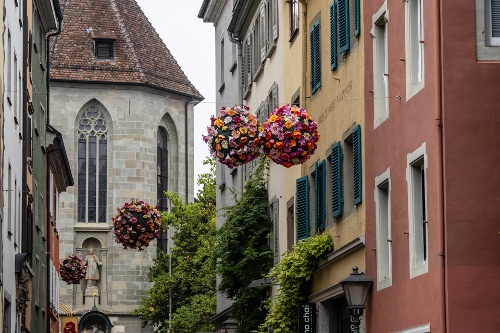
{"points": [[432, 153]]}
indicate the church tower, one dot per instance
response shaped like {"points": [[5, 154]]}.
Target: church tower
{"points": [[125, 110]]}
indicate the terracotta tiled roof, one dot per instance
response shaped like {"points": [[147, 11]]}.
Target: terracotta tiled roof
{"points": [[140, 56]]}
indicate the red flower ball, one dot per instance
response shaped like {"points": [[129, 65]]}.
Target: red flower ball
{"points": [[290, 136], [136, 224], [233, 137], [73, 269]]}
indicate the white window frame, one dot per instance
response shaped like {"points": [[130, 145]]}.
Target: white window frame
{"points": [[414, 47], [379, 34], [418, 329], [485, 50], [383, 242], [493, 41], [417, 267]]}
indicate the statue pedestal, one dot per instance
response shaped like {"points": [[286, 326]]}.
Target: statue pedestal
{"points": [[89, 296]]}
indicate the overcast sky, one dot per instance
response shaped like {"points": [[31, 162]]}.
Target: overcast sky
{"points": [[191, 43]]}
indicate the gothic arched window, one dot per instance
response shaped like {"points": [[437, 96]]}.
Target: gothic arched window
{"points": [[162, 180], [92, 166], [162, 168]]}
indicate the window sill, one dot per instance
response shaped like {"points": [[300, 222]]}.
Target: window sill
{"points": [[270, 51], [257, 72], [82, 226], [293, 36], [247, 92], [233, 67], [222, 86]]}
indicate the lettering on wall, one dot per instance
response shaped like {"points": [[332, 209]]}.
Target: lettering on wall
{"points": [[307, 318], [347, 89]]}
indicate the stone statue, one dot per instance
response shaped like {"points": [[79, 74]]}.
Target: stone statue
{"points": [[92, 267]]}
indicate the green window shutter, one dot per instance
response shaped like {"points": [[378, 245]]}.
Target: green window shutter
{"points": [[275, 19], [275, 238], [356, 162], [313, 63], [333, 35], [302, 207], [357, 18], [315, 58], [320, 209], [343, 17], [336, 158]]}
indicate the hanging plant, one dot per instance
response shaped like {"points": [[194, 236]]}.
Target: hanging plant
{"points": [[233, 137], [73, 269], [293, 274], [136, 224], [289, 136]]}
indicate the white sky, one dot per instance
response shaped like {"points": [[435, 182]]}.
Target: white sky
{"points": [[191, 43]]}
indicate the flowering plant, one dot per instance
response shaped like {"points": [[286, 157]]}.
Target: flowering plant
{"points": [[136, 224], [73, 269], [233, 137], [289, 136]]}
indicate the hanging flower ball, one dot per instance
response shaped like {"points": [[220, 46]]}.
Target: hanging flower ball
{"points": [[233, 137], [73, 269], [136, 224], [290, 136]]}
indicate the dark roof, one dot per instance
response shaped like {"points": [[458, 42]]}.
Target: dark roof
{"points": [[140, 56]]}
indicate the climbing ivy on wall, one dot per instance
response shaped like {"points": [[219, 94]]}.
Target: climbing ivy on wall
{"points": [[292, 274], [243, 251]]}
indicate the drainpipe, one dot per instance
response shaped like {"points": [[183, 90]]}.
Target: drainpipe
{"points": [[237, 41], [186, 148], [47, 165], [303, 32], [47, 44], [438, 108]]}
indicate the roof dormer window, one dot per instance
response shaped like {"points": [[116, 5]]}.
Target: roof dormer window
{"points": [[104, 48]]}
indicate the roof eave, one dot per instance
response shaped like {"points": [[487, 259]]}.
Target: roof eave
{"points": [[194, 97]]}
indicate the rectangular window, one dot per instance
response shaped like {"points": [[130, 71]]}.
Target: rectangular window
{"points": [[383, 230], [333, 35], [417, 211], [274, 212], [495, 23], [380, 65], [302, 207], [414, 47], [272, 100], [37, 275], [8, 66], [315, 57], [222, 61], [7, 313], [9, 202], [419, 329], [294, 17], [104, 48], [320, 196]]}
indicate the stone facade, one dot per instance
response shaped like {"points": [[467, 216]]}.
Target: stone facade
{"points": [[132, 116]]}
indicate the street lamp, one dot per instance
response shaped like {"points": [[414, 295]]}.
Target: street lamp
{"points": [[230, 325], [356, 288]]}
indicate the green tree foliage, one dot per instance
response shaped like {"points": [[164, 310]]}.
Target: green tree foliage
{"points": [[192, 280], [244, 253], [293, 274]]}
